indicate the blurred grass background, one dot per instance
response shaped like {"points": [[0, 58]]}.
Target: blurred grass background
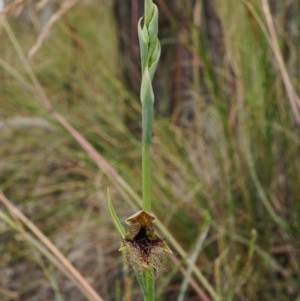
{"points": [[225, 146]]}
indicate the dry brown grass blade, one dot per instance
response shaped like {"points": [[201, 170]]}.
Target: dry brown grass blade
{"points": [[54, 18], [292, 95], [71, 271], [90, 150]]}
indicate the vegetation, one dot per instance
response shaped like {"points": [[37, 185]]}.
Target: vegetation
{"points": [[225, 156]]}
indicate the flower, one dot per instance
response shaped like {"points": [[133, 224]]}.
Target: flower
{"points": [[143, 248]]}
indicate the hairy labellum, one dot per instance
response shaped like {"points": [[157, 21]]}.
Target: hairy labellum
{"points": [[144, 249]]}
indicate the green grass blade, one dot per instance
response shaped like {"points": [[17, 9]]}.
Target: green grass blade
{"points": [[114, 216]]}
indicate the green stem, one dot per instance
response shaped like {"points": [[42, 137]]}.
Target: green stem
{"points": [[150, 288], [146, 178], [147, 116]]}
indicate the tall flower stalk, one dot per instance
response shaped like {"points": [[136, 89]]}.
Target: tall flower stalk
{"points": [[143, 249], [150, 53]]}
